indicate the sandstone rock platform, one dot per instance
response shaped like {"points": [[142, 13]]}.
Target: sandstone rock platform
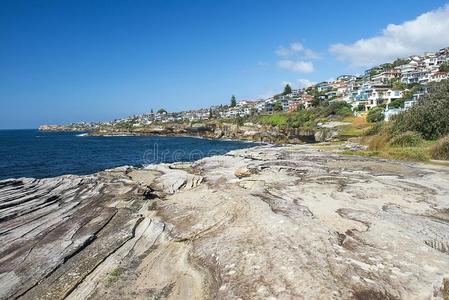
{"points": [[270, 222]]}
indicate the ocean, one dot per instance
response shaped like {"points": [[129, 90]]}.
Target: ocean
{"points": [[31, 153]]}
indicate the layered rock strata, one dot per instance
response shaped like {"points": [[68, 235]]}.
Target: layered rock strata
{"points": [[262, 223]]}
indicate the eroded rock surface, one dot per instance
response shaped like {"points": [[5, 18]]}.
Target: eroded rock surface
{"points": [[265, 223]]}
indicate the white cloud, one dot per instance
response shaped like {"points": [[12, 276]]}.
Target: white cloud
{"points": [[295, 57], [262, 63], [282, 51], [299, 84], [310, 54], [296, 66], [429, 31], [296, 47], [290, 50], [304, 83]]}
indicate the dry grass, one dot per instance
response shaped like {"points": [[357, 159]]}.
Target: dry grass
{"points": [[409, 154], [378, 142], [360, 119], [407, 139], [445, 289], [440, 150], [379, 146], [358, 127]]}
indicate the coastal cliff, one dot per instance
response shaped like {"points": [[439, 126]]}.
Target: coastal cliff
{"points": [[284, 222], [245, 132]]}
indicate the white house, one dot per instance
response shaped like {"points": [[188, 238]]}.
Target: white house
{"points": [[415, 77], [296, 93], [346, 78], [342, 90], [431, 61], [409, 67], [386, 76], [265, 106], [438, 76]]}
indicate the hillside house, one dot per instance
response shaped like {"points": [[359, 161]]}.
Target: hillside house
{"points": [[438, 76]]}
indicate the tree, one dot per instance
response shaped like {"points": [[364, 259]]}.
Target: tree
{"points": [[386, 66], [277, 106], [360, 107], [373, 72], [151, 111], [233, 101], [316, 101], [398, 85], [287, 89], [399, 62], [444, 67], [161, 111], [340, 108], [396, 103], [210, 113], [429, 116]]}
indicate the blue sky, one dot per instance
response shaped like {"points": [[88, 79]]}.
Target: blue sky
{"points": [[65, 61]]}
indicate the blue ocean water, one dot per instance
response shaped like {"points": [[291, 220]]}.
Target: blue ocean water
{"points": [[31, 153]]}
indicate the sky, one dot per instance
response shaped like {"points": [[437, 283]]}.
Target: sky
{"points": [[69, 61]]}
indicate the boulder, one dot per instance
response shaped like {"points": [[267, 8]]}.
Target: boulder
{"points": [[325, 135], [243, 172]]}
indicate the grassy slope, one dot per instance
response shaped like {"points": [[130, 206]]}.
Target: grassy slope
{"points": [[357, 130], [418, 153]]}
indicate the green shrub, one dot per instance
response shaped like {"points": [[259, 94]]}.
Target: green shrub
{"points": [[344, 112], [360, 107], [114, 275], [301, 118], [298, 119], [333, 108], [375, 115], [377, 128], [277, 106], [441, 149], [444, 67], [397, 103], [407, 139], [429, 116]]}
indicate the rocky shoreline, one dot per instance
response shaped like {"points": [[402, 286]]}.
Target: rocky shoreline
{"points": [[269, 222], [247, 132]]}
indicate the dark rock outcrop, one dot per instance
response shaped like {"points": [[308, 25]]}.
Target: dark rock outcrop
{"points": [[247, 132]]}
